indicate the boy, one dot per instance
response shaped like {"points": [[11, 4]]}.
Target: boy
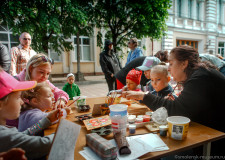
{"points": [[148, 63], [159, 80], [71, 88]]}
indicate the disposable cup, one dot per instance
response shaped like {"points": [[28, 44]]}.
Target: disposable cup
{"points": [[118, 109], [81, 100], [178, 127]]}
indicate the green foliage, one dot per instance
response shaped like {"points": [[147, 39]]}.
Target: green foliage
{"points": [[50, 22], [124, 19]]}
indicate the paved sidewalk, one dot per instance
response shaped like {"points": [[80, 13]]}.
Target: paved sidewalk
{"points": [[93, 86]]}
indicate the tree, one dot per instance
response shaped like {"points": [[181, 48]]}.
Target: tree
{"points": [[50, 22], [124, 19]]}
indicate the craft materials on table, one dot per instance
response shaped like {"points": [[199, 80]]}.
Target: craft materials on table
{"points": [[163, 130], [84, 117], [72, 102], [122, 143], [97, 122], [101, 146], [139, 145], [103, 131], [82, 108]]}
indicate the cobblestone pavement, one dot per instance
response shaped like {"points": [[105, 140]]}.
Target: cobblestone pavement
{"points": [[94, 86]]}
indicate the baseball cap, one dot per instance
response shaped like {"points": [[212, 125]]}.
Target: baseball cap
{"points": [[9, 84], [69, 75], [148, 63]]}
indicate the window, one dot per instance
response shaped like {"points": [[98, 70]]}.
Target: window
{"points": [[179, 8], [194, 44], [54, 55], [7, 38], [85, 53], [219, 11], [189, 8], [198, 11], [221, 48]]}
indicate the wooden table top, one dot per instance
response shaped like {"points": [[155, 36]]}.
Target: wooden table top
{"points": [[197, 135]]}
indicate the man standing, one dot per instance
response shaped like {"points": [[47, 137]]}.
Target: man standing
{"points": [[110, 64], [21, 54], [135, 51]]}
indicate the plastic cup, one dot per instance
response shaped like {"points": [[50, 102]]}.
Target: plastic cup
{"points": [[178, 127], [81, 100], [118, 115], [118, 109]]}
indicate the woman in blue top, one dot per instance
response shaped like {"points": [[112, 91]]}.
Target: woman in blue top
{"points": [[135, 51]]}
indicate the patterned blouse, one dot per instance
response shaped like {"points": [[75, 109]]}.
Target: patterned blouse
{"points": [[20, 57]]}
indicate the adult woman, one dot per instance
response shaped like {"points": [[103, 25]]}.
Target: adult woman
{"points": [[162, 55], [202, 98], [38, 69]]}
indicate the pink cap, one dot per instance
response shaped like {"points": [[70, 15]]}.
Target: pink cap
{"points": [[9, 84]]}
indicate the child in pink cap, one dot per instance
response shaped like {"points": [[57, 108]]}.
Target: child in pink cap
{"points": [[10, 105]]}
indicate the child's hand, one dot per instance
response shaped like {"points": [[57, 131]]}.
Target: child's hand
{"points": [[55, 115], [60, 104], [13, 154], [68, 110]]}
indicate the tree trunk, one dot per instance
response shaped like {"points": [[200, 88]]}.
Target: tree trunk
{"points": [[79, 76]]}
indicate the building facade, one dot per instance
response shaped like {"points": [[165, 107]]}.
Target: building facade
{"points": [[198, 23]]}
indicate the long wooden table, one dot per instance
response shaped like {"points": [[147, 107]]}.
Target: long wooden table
{"points": [[197, 135]]}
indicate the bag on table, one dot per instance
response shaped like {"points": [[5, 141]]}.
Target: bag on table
{"points": [[101, 146]]}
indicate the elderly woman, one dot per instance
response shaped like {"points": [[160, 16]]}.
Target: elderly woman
{"points": [[202, 98]]}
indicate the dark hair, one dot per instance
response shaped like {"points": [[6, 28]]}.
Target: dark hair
{"points": [[162, 55], [183, 53]]}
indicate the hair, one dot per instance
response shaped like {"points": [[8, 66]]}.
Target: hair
{"points": [[21, 36], [160, 68], [134, 41], [162, 55], [185, 52], [28, 95], [35, 61]]}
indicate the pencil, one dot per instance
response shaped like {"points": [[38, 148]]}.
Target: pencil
{"points": [[73, 102]]}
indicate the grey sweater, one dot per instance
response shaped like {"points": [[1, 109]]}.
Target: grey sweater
{"points": [[34, 146]]}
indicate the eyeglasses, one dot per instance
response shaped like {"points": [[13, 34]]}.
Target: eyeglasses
{"points": [[26, 39], [46, 59]]}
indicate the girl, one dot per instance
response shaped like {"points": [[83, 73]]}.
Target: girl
{"points": [[10, 104], [36, 102], [38, 69]]}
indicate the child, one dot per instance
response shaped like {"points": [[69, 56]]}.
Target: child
{"points": [[10, 104], [71, 88], [133, 80], [148, 63], [159, 80], [36, 102]]}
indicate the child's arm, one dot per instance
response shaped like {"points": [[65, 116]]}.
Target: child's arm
{"points": [[77, 90], [34, 146], [44, 123]]}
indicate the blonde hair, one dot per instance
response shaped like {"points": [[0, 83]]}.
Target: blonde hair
{"points": [[160, 68], [28, 95], [35, 61]]}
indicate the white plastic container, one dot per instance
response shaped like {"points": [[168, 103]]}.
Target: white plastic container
{"points": [[81, 100]]}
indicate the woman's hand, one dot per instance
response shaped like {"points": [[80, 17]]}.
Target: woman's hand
{"points": [[135, 95], [60, 103], [68, 110], [55, 115]]}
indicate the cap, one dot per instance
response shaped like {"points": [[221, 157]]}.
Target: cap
{"points": [[9, 84], [148, 63], [134, 75], [107, 42], [69, 75]]}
